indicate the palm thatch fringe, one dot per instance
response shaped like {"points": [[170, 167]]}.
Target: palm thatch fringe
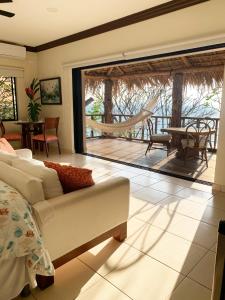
{"points": [[205, 69]]}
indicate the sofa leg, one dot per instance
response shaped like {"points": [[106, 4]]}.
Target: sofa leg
{"points": [[25, 291], [44, 281], [122, 234]]}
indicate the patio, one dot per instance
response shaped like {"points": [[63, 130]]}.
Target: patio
{"points": [[133, 152], [177, 73]]}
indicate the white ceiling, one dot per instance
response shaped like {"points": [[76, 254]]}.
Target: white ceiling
{"points": [[34, 24]]}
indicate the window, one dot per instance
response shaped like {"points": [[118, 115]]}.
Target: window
{"points": [[8, 105]]}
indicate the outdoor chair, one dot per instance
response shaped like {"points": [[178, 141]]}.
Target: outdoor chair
{"points": [[212, 125], [10, 137], [197, 134], [164, 139], [49, 135]]}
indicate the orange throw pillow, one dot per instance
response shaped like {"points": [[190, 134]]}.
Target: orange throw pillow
{"points": [[6, 147], [72, 178]]}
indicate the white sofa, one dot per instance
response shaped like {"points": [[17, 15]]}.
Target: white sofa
{"points": [[73, 223]]}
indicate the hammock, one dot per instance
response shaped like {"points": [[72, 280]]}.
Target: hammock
{"points": [[126, 125]]}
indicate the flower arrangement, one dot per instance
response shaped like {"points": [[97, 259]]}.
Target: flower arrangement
{"points": [[34, 106]]}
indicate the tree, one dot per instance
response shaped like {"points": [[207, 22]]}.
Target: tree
{"points": [[199, 101], [95, 107], [6, 99]]}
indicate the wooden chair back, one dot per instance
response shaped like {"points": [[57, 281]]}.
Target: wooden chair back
{"points": [[194, 131], [51, 124], [211, 122], [2, 128]]}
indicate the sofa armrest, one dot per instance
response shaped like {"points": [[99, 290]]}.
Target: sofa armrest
{"points": [[24, 153], [83, 215], [43, 212]]}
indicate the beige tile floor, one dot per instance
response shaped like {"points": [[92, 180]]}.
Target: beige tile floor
{"points": [[134, 152], [170, 249]]}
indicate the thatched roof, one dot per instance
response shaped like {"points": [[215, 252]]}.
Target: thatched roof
{"points": [[199, 69]]}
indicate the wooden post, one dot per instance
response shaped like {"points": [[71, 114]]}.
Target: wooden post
{"points": [[108, 101], [177, 99]]}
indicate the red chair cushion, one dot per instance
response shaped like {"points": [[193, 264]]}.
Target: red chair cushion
{"points": [[49, 138], [72, 178], [6, 147], [12, 136]]}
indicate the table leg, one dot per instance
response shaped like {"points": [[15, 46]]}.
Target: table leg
{"points": [[24, 136], [29, 140]]}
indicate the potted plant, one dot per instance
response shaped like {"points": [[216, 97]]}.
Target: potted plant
{"points": [[34, 106]]}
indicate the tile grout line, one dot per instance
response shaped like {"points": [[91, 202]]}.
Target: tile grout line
{"points": [[179, 213], [178, 184], [146, 254], [209, 251], [142, 254], [103, 277], [182, 214], [150, 169], [173, 233]]}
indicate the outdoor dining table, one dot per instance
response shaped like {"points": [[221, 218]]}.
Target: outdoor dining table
{"points": [[27, 128], [180, 133]]}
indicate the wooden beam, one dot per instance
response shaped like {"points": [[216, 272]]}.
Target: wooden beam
{"points": [[200, 69], [120, 70], [150, 67], [163, 73], [110, 71], [186, 61], [146, 74]]}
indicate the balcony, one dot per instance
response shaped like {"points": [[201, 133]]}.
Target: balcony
{"points": [[131, 148]]}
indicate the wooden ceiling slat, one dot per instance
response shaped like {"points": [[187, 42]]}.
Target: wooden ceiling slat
{"points": [[217, 68]]}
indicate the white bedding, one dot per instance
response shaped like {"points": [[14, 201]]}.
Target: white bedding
{"points": [[22, 252]]}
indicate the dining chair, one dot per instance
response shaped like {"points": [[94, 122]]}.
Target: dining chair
{"points": [[11, 136], [212, 124], [164, 139], [49, 135], [197, 137]]}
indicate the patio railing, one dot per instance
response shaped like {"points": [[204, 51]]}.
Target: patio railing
{"points": [[140, 132]]}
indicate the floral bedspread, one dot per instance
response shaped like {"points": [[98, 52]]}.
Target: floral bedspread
{"points": [[19, 235]]}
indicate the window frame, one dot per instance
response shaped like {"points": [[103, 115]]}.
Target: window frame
{"points": [[14, 100]]}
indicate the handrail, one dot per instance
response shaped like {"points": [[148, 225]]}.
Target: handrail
{"points": [[140, 133]]}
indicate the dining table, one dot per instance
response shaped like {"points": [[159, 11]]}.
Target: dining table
{"points": [[28, 128], [180, 133]]}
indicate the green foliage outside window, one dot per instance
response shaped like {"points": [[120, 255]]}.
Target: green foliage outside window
{"points": [[8, 108]]}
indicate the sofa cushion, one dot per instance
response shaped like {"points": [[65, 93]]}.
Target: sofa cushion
{"points": [[7, 157], [24, 153], [72, 178], [30, 187], [5, 146], [50, 181]]}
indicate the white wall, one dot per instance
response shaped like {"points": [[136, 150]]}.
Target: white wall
{"points": [[220, 157], [191, 23], [30, 71]]}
